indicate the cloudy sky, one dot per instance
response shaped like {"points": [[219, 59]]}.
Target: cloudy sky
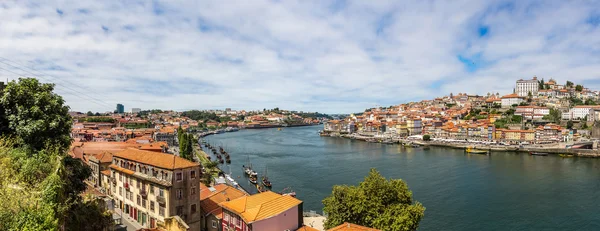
{"points": [[326, 56]]}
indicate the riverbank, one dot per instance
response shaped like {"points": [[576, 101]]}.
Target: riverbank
{"points": [[553, 149]]}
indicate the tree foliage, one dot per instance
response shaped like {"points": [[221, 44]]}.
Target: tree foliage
{"points": [[569, 124], [554, 115], [40, 185], [36, 116], [579, 88], [376, 202], [426, 137], [569, 84]]}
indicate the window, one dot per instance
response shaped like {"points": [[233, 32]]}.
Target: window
{"points": [[121, 191], [214, 224], [151, 189], [193, 209], [179, 176], [162, 193], [193, 190], [179, 194], [144, 203], [193, 174], [161, 211], [180, 211], [138, 200], [138, 183], [152, 206]]}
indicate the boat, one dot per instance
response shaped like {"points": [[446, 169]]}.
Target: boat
{"points": [[265, 180], [472, 150], [565, 155], [288, 192], [253, 179], [278, 129], [538, 153]]}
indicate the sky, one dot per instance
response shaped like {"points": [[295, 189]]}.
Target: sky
{"points": [[326, 56]]}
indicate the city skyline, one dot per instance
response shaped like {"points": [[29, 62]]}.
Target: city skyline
{"points": [[336, 57]]}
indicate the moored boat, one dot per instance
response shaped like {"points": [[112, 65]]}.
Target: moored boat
{"points": [[472, 150], [253, 179], [538, 153], [565, 155], [265, 180]]}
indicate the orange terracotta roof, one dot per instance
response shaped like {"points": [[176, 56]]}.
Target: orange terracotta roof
{"points": [[260, 206], [351, 227], [306, 228], [210, 204], [123, 170], [106, 172], [162, 160]]}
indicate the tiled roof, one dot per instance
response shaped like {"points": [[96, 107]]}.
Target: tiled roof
{"points": [[210, 204], [261, 206], [351, 227], [306, 228], [162, 160]]}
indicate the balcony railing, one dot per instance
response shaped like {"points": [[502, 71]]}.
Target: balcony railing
{"points": [[126, 185]]}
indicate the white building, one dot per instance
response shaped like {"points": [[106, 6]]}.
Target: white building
{"points": [[525, 86], [136, 110], [532, 112], [580, 112], [509, 100]]}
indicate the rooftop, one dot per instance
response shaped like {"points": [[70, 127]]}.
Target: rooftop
{"points": [[162, 160], [351, 227], [260, 206]]}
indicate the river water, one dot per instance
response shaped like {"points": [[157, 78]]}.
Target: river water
{"points": [[502, 191]]}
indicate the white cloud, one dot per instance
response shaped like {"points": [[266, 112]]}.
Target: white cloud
{"points": [[302, 55]]}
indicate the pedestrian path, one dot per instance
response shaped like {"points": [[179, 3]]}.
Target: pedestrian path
{"points": [[132, 225]]}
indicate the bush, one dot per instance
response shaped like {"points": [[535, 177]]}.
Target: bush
{"points": [[426, 138]]}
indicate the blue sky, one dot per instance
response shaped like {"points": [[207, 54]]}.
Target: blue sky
{"points": [[326, 56]]}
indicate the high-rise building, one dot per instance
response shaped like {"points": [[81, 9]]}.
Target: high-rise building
{"points": [[525, 86], [120, 109], [136, 110]]}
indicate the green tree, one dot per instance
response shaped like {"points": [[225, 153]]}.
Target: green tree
{"points": [[210, 169], [579, 88], [90, 113], [554, 115], [97, 114], [426, 137], [529, 97], [376, 202], [569, 124], [36, 116], [569, 84], [541, 84]]}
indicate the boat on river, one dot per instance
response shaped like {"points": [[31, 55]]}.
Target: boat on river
{"points": [[265, 180], [538, 153], [472, 150], [253, 179]]}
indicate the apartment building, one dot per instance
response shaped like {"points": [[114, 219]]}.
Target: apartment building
{"points": [[524, 87], [150, 187], [509, 100]]}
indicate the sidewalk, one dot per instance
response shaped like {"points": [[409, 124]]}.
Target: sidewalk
{"points": [[131, 224]]}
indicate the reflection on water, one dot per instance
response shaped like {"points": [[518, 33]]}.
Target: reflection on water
{"points": [[460, 191]]}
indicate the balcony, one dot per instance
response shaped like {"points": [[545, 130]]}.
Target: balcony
{"points": [[126, 185], [161, 200]]}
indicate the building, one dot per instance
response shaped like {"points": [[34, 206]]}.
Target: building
{"points": [[512, 99], [579, 112], [210, 198], [99, 163], [532, 112], [267, 211], [524, 87], [151, 187], [120, 109], [549, 133], [136, 110], [351, 227]]}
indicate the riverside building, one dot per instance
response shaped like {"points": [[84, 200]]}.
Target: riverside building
{"points": [[151, 186]]}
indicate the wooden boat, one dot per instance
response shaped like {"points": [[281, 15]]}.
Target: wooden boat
{"points": [[565, 155], [253, 179], [471, 150], [265, 180], [538, 153]]}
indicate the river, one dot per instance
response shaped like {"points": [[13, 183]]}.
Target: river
{"points": [[502, 191]]}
